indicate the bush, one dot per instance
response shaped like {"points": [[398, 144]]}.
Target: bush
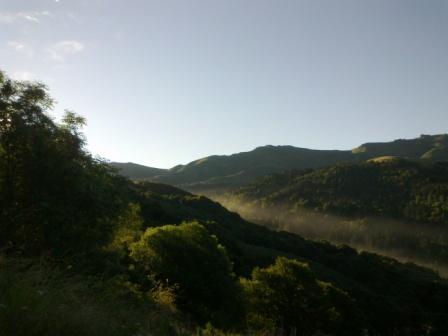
{"points": [[189, 259], [287, 296]]}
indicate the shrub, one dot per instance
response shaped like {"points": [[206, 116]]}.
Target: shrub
{"points": [[192, 261]]}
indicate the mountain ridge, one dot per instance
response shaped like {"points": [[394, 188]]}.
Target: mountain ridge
{"points": [[223, 172]]}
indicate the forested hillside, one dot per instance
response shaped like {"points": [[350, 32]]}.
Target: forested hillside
{"points": [[383, 204], [217, 173], [85, 251]]}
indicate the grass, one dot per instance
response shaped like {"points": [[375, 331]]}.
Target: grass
{"points": [[37, 299]]}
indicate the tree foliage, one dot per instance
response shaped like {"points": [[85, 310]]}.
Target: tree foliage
{"points": [[288, 295], [55, 198], [191, 260], [394, 188]]}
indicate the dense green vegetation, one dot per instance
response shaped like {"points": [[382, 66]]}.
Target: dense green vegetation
{"points": [[289, 293], [396, 188], [54, 196], [209, 291], [383, 204], [213, 174], [87, 252]]}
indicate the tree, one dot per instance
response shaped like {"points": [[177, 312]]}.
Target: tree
{"points": [[287, 295], [189, 259], [54, 197]]}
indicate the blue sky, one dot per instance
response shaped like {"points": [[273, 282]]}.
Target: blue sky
{"points": [[166, 82]]}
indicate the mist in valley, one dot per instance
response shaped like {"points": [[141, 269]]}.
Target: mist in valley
{"points": [[422, 245]]}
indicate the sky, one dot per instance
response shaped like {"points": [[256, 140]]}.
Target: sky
{"points": [[164, 82]]}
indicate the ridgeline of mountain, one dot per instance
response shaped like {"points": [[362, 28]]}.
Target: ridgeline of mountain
{"points": [[221, 172], [137, 171]]}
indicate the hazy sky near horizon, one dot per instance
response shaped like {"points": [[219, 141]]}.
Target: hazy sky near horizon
{"points": [[164, 82]]}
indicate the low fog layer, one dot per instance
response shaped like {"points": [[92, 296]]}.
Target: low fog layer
{"points": [[407, 242]]}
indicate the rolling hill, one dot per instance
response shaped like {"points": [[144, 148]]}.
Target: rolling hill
{"points": [[394, 188], [137, 171], [228, 172]]}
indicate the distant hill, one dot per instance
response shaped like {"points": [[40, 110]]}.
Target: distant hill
{"points": [[223, 172], [137, 171], [388, 187], [424, 147], [234, 170]]}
